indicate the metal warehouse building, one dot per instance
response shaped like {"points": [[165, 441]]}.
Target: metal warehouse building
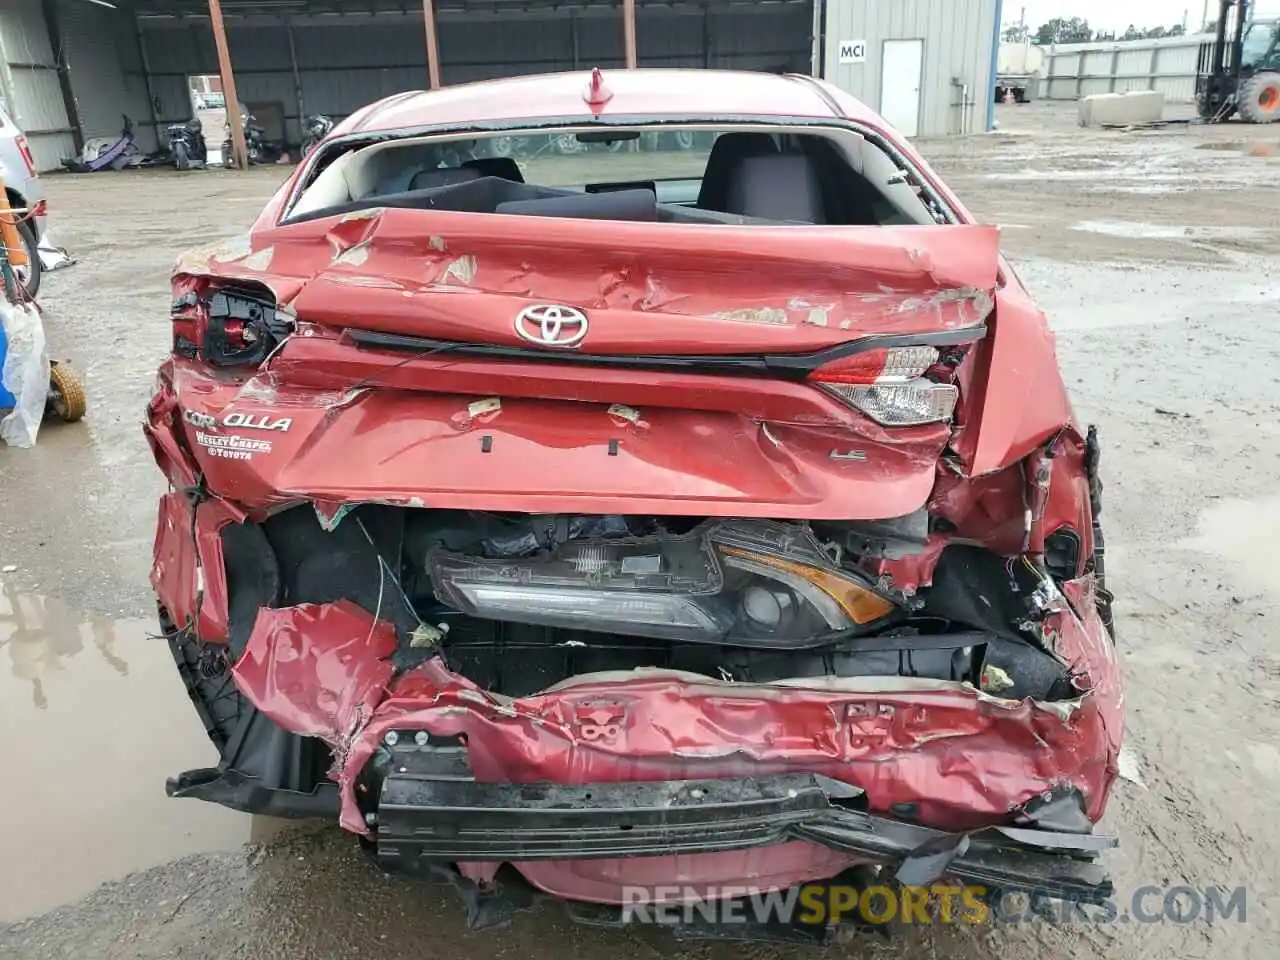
{"points": [[69, 69], [929, 66]]}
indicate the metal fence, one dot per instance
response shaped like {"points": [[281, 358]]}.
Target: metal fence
{"points": [[1078, 70]]}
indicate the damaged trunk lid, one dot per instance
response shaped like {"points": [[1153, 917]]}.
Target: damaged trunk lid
{"points": [[680, 289], [596, 367]]}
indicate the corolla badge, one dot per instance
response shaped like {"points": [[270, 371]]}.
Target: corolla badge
{"points": [[551, 325]]}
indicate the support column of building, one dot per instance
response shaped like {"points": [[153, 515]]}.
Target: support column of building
{"points": [[240, 152]]}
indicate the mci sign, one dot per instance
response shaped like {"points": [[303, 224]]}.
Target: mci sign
{"points": [[852, 51]]}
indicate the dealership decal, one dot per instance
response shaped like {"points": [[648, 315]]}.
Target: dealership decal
{"points": [[258, 421], [232, 446], [247, 421]]}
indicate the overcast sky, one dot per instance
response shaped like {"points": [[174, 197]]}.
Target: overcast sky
{"points": [[1118, 14]]}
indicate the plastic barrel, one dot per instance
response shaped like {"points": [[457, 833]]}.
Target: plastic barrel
{"points": [[7, 400]]}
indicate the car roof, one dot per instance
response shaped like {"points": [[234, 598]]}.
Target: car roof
{"points": [[666, 93]]}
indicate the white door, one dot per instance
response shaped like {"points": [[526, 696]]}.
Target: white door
{"points": [[900, 67]]}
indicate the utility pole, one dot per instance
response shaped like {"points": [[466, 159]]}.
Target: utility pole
{"points": [[629, 32], [433, 47], [241, 158]]}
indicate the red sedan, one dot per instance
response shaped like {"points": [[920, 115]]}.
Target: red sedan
{"points": [[649, 479]]}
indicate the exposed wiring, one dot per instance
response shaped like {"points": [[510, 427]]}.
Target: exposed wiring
{"points": [[377, 613], [385, 572]]}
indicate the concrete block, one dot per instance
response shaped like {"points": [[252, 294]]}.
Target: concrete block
{"points": [[1136, 106]]}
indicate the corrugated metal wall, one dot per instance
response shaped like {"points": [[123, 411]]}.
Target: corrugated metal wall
{"points": [[1082, 69], [101, 53], [958, 40], [346, 62], [105, 70], [29, 82]]}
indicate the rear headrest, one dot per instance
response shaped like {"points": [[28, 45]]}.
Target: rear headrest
{"points": [[446, 177], [727, 152], [639, 205], [504, 168], [781, 187]]}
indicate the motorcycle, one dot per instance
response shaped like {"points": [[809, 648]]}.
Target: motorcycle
{"points": [[257, 146], [314, 129], [187, 145], [106, 153]]}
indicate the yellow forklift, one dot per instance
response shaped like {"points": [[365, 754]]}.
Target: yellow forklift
{"points": [[1239, 72]]}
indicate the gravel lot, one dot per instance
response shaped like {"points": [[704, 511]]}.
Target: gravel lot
{"points": [[1155, 254]]}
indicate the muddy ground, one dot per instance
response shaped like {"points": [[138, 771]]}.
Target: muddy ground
{"points": [[1155, 254]]}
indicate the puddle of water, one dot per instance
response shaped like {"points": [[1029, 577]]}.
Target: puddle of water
{"points": [[1244, 532], [94, 718], [1140, 295], [1131, 230]]}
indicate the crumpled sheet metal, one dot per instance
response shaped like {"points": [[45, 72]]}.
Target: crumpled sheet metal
{"points": [[963, 757], [317, 669], [544, 455], [684, 878], [443, 273]]}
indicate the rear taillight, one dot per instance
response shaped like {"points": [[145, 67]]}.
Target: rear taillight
{"points": [[889, 386], [27, 158], [886, 365], [227, 328]]}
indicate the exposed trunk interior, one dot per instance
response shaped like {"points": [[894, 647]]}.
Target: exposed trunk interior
{"points": [[376, 556]]}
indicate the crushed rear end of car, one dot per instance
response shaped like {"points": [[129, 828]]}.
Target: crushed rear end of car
{"points": [[584, 555]]}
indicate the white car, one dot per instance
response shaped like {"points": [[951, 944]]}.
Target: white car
{"points": [[25, 192]]}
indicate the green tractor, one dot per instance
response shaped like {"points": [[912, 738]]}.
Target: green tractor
{"points": [[1239, 72]]}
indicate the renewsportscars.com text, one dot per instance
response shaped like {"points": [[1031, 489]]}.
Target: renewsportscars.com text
{"points": [[942, 903]]}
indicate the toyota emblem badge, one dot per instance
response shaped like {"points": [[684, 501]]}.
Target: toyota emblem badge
{"points": [[551, 325]]}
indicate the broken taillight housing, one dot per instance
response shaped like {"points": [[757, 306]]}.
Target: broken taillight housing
{"points": [[228, 327], [889, 386]]}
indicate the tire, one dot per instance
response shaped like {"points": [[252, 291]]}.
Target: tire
{"points": [[683, 139], [1259, 98], [180, 158], [29, 276], [68, 393]]}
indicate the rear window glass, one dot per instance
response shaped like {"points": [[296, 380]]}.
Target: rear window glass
{"points": [[672, 174]]}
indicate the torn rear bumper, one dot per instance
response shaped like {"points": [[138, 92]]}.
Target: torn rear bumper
{"points": [[643, 778], [424, 817]]}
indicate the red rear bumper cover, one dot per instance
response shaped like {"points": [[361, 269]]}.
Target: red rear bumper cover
{"points": [[962, 758]]}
